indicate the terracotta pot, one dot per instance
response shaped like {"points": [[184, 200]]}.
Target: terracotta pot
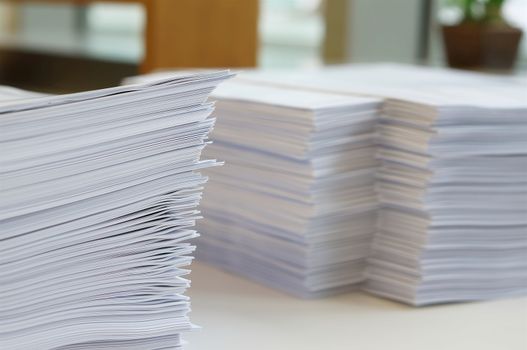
{"points": [[480, 46]]}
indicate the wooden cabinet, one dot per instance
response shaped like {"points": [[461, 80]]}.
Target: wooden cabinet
{"points": [[195, 33]]}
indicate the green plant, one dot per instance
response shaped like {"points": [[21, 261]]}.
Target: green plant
{"points": [[480, 11]]}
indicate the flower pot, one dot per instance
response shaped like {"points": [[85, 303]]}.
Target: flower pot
{"points": [[479, 46]]}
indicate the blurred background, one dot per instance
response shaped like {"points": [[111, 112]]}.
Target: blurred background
{"points": [[63, 46]]}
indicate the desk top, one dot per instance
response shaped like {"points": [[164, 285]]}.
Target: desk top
{"points": [[237, 314]]}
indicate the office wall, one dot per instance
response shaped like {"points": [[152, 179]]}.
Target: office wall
{"points": [[381, 30]]}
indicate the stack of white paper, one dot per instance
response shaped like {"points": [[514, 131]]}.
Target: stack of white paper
{"points": [[453, 182], [99, 195], [295, 205], [453, 190]]}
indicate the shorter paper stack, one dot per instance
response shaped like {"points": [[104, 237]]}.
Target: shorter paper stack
{"points": [[295, 206], [453, 190]]}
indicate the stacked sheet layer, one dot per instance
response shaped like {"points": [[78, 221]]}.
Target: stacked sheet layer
{"points": [[99, 196], [295, 206], [453, 191]]}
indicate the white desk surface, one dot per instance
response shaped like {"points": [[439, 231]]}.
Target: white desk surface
{"points": [[237, 314]]}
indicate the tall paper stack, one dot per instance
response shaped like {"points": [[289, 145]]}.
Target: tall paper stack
{"points": [[295, 206], [453, 190], [99, 196]]}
